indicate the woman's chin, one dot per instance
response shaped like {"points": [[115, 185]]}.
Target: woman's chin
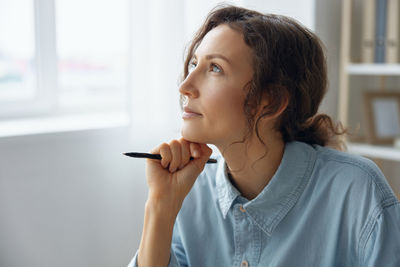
{"points": [[193, 136]]}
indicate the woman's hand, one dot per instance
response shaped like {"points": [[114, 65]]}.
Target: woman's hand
{"points": [[171, 179]]}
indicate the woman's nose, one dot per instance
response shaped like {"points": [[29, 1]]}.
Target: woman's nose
{"points": [[188, 87]]}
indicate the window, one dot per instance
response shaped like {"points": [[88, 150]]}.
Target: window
{"points": [[17, 68], [92, 43], [63, 56]]}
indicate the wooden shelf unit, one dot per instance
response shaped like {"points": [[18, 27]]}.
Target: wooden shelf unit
{"points": [[374, 151], [348, 69]]}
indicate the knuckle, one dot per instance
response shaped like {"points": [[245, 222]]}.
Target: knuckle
{"points": [[183, 141], [174, 143], [176, 148], [165, 152], [161, 148], [163, 145], [176, 156]]}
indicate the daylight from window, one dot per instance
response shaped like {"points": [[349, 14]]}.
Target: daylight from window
{"points": [[92, 40], [91, 57], [17, 68]]}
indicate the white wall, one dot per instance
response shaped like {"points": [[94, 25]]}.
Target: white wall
{"points": [[196, 11], [303, 11], [69, 199]]}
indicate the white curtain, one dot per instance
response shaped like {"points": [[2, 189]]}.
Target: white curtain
{"points": [[160, 32], [156, 61]]}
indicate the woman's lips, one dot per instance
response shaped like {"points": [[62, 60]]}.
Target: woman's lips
{"points": [[188, 113]]}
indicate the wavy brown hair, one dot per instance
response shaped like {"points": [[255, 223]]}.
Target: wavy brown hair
{"points": [[289, 65]]}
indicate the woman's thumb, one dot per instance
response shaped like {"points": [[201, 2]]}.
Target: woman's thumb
{"points": [[202, 154]]}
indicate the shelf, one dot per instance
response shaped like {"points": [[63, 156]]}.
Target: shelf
{"points": [[373, 69], [374, 151]]}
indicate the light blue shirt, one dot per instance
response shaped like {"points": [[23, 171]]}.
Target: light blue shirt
{"points": [[321, 208]]}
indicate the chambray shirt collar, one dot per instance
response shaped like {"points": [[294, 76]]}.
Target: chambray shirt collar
{"points": [[227, 193], [281, 193]]}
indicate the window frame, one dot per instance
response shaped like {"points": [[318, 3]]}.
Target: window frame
{"points": [[45, 99]]}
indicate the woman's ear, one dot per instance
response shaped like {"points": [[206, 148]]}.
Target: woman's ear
{"points": [[282, 107], [265, 104]]}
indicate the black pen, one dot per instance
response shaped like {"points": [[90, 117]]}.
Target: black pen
{"points": [[156, 156]]}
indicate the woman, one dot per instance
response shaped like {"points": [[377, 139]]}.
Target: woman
{"points": [[278, 195]]}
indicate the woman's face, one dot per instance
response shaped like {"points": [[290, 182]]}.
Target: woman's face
{"points": [[215, 88]]}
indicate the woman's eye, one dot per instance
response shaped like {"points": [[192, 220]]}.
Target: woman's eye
{"points": [[215, 68], [191, 66]]}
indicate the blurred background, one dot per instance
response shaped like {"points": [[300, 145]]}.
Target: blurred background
{"points": [[81, 82]]}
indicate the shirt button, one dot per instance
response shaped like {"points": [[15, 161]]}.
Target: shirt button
{"points": [[245, 264], [242, 209]]}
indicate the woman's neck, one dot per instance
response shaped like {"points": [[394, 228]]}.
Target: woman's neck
{"points": [[252, 164]]}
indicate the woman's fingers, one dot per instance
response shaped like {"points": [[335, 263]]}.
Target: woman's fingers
{"points": [[185, 149], [196, 165], [206, 151], [175, 147], [166, 155], [195, 150], [177, 153]]}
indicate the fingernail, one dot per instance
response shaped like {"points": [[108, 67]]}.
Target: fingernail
{"points": [[173, 170], [196, 153]]}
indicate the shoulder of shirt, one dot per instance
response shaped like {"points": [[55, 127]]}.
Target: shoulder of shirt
{"points": [[362, 170], [364, 185]]}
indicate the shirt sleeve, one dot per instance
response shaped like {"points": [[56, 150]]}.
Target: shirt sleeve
{"points": [[177, 256], [383, 245]]}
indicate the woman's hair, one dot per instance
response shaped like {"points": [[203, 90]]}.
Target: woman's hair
{"points": [[289, 66]]}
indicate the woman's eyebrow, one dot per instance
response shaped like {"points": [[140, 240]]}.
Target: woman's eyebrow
{"points": [[211, 56]]}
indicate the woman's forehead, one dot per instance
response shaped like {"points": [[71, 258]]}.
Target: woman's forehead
{"points": [[225, 41]]}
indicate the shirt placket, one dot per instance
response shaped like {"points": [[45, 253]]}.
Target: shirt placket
{"points": [[247, 239]]}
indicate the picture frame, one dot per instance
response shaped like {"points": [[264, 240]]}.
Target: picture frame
{"points": [[382, 110]]}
